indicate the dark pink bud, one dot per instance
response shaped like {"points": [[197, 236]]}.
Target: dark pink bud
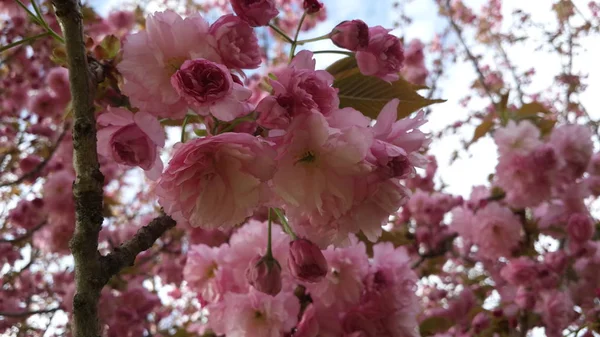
{"points": [[264, 274], [306, 261], [312, 6], [351, 35], [580, 227], [524, 298], [255, 12]]}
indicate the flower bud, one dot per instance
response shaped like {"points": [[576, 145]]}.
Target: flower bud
{"points": [[580, 227], [312, 6], [525, 299], [306, 261], [264, 274], [351, 35]]}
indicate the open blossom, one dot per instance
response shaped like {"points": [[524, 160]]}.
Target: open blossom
{"points": [[132, 139], [255, 12], [298, 89], [237, 42], [496, 231], [519, 271], [57, 80], [573, 144], [383, 57], [206, 271], [45, 104], [28, 214], [217, 181], [351, 35], [317, 166], [556, 308], [152, 56], [388, 306], [343, 284], [254, 314], [580, 227], [209, 88], [414, 69], [517, 138]]}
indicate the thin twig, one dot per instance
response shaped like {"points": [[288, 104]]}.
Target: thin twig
{"points": [[28, 313], [471, 57], [442, 249], [513, 71], [25, 236], [36, 170]]}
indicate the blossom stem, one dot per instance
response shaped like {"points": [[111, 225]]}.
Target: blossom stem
{"points": [[285, 224], [295, 42], [314, 39], [235, 123], [281, 33], [22, 41], [183, 125], [269, 253], [348, 53], [39, 19]]}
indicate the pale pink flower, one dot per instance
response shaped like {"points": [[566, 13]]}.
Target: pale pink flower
{"points": [[308, 325], [152, 56], [343, 284], [413, 54], [217, 181], [556, 308], [574, 147], [121, 20], [497, 231], [206, 271], [208, 87], [255, 12], [58, 191], [317, 166], [527, 179], [351, 35], [415, 74], [299, 89], [237, 43], [463, 223], [254, 314], [396, 143], [521, 138], [28, 213], [57, 80], [54, 237], [519, 271], [132, 139], [383, 57], [389, 305], [45, 104]]}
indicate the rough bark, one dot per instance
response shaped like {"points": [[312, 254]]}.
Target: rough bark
{"points": [[92, 271]]}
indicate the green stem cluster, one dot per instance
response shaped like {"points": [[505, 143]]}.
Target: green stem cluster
{"points": [[38, 18]]}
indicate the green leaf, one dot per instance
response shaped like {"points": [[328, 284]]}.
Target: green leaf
{"points": [[435, 324], [201, 132], [369, 94], [532, 108], [482, 129], [111, 45]]}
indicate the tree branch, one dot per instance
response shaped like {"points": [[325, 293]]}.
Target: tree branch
{"points": [[471, 57], [444, 247], [36, 170], [28, 313], [124, 256], [87, 188], [25, 235]]}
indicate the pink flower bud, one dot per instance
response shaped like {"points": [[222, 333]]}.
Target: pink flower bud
{"points": [[312, 6], [255, 12], [351, 35], [306, 261], [264, 274], [580, 227]]}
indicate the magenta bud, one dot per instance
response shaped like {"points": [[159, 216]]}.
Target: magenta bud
{"points": [[264, 274], [580, 227], [312, 6], [306, 261], [351, 35]]}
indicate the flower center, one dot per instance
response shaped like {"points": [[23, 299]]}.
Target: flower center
{"points": [[173, 64], [307, 157]]}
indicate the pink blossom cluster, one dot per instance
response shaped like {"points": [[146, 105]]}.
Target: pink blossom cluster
{"points": [[356, 296]]}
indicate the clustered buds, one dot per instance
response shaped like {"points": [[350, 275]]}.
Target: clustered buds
{"points": [[312, 6]]}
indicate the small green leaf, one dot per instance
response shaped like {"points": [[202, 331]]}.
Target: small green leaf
{"points": [[111, 45]]}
